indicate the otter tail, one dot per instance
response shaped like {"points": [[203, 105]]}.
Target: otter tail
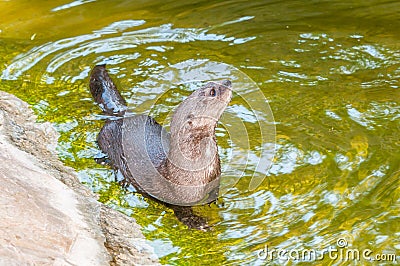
{"points": [[105, 92]]}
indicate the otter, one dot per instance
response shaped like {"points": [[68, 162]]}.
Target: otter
{"points": [[180, 168]]}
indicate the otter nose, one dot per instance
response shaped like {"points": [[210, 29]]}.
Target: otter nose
{"points": [[227, 83]]}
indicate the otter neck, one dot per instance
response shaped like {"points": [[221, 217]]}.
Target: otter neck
{"points": [[193, 156]]}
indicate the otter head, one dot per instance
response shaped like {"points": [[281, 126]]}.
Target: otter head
{"points": [[202, 109], [193, 147]]}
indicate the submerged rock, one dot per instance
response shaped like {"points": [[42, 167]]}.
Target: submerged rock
{"points": [[47, 216]]}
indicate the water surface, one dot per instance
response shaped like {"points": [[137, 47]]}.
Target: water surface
{"points": [[330, 71]]}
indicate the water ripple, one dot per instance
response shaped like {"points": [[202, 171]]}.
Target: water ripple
{"points": [[97, 43], [375, 114], [72, 4]]}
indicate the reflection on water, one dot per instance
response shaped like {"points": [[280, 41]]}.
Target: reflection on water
{"points": [[99, 42], [330, 71]]}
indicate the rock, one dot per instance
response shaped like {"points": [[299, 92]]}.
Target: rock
{"points": [[47, 216]]}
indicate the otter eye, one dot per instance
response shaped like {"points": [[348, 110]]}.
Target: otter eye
{"points": [[212, 92]]}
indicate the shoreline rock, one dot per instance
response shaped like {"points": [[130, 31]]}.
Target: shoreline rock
{"points": [[48, 216]]}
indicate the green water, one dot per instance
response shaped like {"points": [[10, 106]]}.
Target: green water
{"points": [[330, 71]]}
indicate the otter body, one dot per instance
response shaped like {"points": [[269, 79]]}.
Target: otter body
{"points": [[179, 168]]}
